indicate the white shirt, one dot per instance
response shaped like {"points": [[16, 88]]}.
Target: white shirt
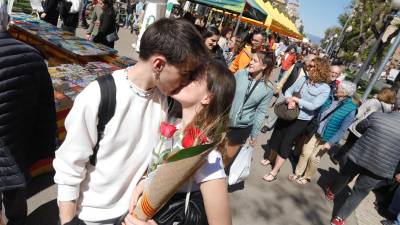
{"points": [[104, 191]]}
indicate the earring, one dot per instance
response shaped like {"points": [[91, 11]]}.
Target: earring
{"points": [[156, 75]]}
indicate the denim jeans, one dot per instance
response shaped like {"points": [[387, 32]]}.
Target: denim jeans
{"points": [[85, 4], [128, 20]]}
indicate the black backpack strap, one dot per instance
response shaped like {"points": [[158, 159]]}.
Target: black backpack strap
{"points": [[106, 109]]}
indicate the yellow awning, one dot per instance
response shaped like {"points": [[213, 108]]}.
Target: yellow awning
{"points": [[278, 22], [275, 21]]}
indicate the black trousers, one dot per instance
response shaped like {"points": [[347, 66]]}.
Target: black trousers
{"points": [[15, 206], [284, 135]]}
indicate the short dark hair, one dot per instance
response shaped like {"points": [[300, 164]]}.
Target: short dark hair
{"points": [[337, 62], [209, 32], [177, 40], [261, 32], [225, 31]]}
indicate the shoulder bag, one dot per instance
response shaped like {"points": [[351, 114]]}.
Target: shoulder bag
{"points": [[284, 113], [247, 95], [312, 126], [183, 209], [112, 37]]}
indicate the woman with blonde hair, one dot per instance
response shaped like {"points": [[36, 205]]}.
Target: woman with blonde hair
{"points": [[313, 91]]}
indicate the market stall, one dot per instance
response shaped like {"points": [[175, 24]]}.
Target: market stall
{"points": [[274, 20], [73, 63], [249, 8]]}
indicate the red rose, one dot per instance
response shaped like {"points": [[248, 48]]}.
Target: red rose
{"points": [[167, 130], [191, 134]]}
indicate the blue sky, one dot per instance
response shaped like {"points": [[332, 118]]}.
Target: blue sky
{"points": [[317, 15]]}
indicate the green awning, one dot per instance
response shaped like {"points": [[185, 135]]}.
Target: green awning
{"points": [[251, 8], [229, 5]]}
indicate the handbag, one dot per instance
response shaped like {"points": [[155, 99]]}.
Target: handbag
{"points": [[173, 212], [240, 168], [63, 8], [312, 126], [112, 37], [284, 113]]}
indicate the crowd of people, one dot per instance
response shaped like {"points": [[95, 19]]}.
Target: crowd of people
{"points": [[221, 81], [105, 17]]}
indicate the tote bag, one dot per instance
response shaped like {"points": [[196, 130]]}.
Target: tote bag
{"points": [[240, 168]]}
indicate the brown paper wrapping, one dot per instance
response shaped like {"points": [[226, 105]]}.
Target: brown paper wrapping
{"points": [[168, 178]]}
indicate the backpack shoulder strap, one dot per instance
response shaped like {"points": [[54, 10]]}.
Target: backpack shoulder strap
{"points": [[106, 109]]}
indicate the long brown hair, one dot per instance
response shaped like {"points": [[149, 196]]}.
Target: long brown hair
{"points": [[268, 59], [321, 71], [213, 119]]}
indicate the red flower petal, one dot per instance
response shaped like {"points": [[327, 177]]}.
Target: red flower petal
{"points": [[167, 130], [191, 135]]}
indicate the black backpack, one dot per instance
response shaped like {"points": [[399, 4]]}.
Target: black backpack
{"points": [[106, 109]]}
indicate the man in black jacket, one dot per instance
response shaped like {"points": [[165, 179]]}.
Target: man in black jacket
{"points": [[27, 118], [374, 157], [50, 13]]}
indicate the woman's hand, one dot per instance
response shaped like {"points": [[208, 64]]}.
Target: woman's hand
{"points": [[291, 105], [131, 220], [295, 99], [327, 146], [137, 192], [289, 99], [252, 141]]}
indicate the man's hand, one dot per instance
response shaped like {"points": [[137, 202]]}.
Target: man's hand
{"points": [[252, 141], [43, 15], [137, 192], [397, 177], [67, 211], [327, 146]]}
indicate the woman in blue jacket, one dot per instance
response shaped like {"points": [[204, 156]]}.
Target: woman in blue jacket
{"points": [[252, 97], [314, 91]]}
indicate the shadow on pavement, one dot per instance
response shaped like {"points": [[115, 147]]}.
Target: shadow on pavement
{"points": [[46, 214], [327, 177], [39, 183]]}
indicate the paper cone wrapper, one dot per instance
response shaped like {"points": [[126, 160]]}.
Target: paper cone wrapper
{"points": [[168, 178]]}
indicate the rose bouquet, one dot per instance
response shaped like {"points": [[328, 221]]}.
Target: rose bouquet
{"points": [[172, 167]]}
